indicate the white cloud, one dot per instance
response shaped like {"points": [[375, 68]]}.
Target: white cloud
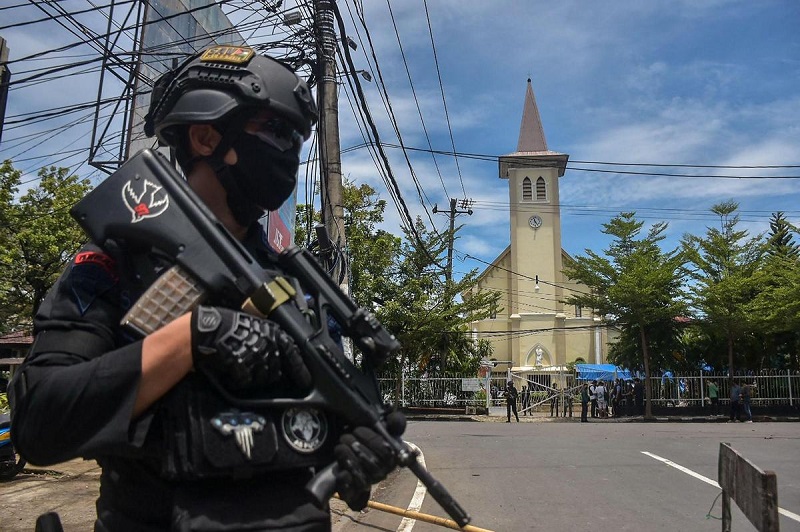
{"points": [[629, 81]]}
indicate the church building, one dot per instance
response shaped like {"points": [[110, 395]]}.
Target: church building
{"points": [[533, 330]]}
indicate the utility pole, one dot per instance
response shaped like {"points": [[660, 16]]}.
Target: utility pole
{"points": [[330, 150], [5, 80], [466, 206], [328, 139]]}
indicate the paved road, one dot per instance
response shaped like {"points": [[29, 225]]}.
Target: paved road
{"points": [[572, 476], [535, 475]]}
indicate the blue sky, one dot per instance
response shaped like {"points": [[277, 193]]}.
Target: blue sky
{"points": [[681, 82], [703, 83]]}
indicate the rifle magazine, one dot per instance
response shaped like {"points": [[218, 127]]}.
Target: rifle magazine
{"points": [[173, 294]]}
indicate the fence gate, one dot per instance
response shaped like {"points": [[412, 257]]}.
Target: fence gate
{"points": [[556, 388]]}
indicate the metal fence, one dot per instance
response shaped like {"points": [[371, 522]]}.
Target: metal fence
{"points": [[766, 389], [445, 390]]}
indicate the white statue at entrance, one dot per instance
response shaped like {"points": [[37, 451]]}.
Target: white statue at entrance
{"points": [[539, 354]]}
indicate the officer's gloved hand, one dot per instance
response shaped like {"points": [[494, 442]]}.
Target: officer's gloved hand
{"points": [[244, 351], [365, 458]]}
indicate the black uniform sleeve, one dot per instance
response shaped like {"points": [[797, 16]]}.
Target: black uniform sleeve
{"points": [[74, 394]]}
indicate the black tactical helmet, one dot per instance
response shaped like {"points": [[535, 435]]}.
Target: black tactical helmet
{"points": [[215, 84]]}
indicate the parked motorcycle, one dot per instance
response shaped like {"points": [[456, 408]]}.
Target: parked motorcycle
{"points": [[11, 463]]}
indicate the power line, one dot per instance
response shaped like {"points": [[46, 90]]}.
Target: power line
{"points": [[390, 112], [68, 15], [444, 100], [405, 215], [416, 100], [539, 163]]}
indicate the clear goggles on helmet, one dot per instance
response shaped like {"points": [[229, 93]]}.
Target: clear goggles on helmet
{"points": [[275, 132]]}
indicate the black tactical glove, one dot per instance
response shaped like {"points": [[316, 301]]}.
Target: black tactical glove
{"points": [[365, 458], [245, 351]]}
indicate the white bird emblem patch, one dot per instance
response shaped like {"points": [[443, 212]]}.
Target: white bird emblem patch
{"points": [[150, 202]]}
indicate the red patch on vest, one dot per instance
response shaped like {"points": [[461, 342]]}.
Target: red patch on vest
{"points": [[100, 259]]}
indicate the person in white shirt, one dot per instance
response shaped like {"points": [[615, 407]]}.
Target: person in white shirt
{"points": [[602, 405]]}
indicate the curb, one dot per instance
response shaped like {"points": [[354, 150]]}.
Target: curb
{"points": [[631, 419]]}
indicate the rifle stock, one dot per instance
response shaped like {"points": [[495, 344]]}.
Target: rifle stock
{"points": [[147, 202]]}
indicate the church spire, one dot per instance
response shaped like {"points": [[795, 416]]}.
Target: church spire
{"points": [[531, 133]]}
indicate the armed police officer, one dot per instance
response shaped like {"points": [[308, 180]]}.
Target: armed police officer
{"points": [[175, 453]]}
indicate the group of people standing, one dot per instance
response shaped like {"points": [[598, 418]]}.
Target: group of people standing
{"points": [[621, 398], [740, 398], [617, 399]]}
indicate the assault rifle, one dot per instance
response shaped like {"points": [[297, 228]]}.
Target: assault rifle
{"points": [[148, 203]]}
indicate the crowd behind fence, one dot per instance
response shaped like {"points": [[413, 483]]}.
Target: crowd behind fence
{"points": [[679, 390], [774, 388]]}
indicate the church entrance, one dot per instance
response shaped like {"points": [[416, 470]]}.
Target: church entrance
{"points": [[550, 391]]}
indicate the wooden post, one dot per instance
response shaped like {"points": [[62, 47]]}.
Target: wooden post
{"points": [[12, 363], [754, 491], [726, 511]]}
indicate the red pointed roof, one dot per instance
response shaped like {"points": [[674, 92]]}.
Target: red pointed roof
{"points": [[532, 146], [531, 132]]}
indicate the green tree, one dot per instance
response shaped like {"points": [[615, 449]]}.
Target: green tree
{"points": [[401, 281], [775, 309], [424, 311], [39, 238], [724, 263], [9, 185], [371, 250], [780, 241], [636, 286], [305, 218]]}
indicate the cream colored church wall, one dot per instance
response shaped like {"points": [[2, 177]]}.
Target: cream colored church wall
{"points": [[534, 251], [528, 344], [500, 342], [581, 341], [497, 280], [573, 339]]}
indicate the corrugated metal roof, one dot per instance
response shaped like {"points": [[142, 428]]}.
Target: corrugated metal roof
{"points": [[17, 337]]}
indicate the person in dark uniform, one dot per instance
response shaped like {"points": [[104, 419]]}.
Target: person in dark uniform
{"points": [[555, 400], [526, 400], [584, 402], [638, 396], [175, 455], [511, 396]]}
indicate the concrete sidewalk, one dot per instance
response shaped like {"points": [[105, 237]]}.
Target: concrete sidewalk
{"points": [[497, 414]]}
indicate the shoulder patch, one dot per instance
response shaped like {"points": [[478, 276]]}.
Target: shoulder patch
{"points": [[92, 274], [100, 259]]}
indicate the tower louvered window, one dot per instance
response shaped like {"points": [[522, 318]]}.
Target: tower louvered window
{"points": [[527, 194], [541, 190]]}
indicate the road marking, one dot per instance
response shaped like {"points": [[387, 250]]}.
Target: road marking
{"points": [[787, 513], [407, 524]]}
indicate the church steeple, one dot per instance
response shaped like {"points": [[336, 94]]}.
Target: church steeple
{"points": [[535, 215], [532, 147], [531, 133]]}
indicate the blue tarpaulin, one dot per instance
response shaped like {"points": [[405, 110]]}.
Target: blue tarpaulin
{"points": [[605, 372]]}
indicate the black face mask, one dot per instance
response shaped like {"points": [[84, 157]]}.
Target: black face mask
{"points": [[262, 178]]}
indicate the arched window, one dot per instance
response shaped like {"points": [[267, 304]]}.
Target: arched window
{"points": [[527, 194], [541, 189]]}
